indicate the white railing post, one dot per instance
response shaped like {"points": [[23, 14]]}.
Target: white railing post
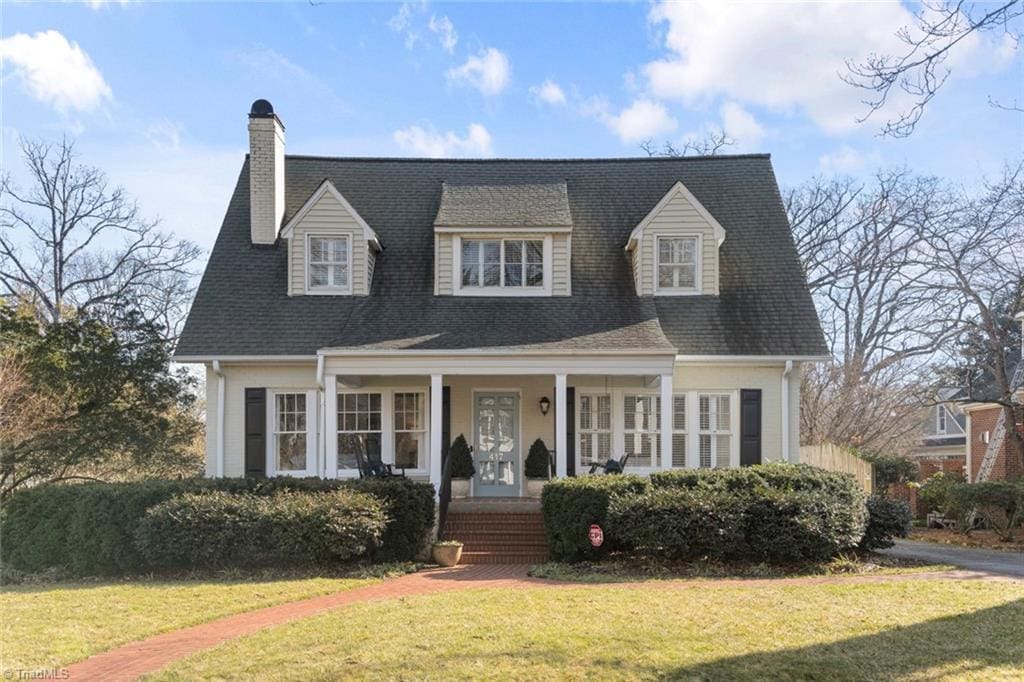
{"points": [[666, 421]]}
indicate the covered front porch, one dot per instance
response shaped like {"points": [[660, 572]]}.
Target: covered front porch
{"points": [[407, 408]]}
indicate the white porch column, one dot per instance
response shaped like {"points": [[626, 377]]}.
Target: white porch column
{"points": [[561, 440], [667, 409], [435, 431]]}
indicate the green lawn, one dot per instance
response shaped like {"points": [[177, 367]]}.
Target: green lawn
{"points": [[50, 625], [906, 629]]}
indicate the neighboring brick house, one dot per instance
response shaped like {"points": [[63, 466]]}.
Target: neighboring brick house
{"points": [[942, 445]]}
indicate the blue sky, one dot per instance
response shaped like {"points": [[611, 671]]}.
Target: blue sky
{"points": [[157, 94]]}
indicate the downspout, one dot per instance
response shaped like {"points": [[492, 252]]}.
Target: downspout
{"points": [[221, 381], [785, 410], [321, 420]]}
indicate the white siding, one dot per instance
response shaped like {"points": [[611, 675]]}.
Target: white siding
{"points": [[677, 217], [328, 217], [561, 262]]}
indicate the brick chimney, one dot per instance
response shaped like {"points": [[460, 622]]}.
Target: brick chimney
{"points": [[266, 172]]}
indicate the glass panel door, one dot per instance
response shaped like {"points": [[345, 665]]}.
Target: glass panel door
{"points": [[496, 447]]}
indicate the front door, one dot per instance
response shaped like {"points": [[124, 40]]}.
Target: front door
{"points": [[496, 450]]}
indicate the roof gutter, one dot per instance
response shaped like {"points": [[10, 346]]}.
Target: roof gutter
{"points": [[221, 386]]}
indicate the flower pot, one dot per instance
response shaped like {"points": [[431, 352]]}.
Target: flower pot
{"points": [[460, 487], [447, 555], [535, 486]]}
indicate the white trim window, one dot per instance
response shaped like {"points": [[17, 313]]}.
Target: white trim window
{"points": [[329, 264], [941, 416], [502, 263], [679, 432], [360, 428], [715, 430], [595, 428], [677, 269], [640, 426], [293, 436], [410, 430]]}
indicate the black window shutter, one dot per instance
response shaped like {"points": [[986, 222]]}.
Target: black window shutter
{"points": [[446, 421], [570, 429], [750, 426], [255, 432]]}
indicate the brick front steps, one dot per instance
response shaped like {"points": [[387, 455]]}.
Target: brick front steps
{"points": [[498, 537]]}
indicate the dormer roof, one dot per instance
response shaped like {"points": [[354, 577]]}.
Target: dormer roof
{"points": [[500, 206]]}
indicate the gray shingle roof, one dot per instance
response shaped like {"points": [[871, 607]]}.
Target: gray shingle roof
{"points": [[504, 206], [242, 306]]}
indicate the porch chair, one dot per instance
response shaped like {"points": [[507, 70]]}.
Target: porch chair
{"points": [[375, 468], [612, 466]]}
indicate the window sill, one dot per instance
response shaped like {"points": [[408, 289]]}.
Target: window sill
{"points": [[514, 292], [328, 292], [677, 292]]}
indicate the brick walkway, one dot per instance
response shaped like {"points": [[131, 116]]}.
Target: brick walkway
{"points": [[138, 658]]}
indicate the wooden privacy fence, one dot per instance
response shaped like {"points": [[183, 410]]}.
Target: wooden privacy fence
{"points": [[832, 457]]}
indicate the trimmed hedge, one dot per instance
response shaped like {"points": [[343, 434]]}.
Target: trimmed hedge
{"points": [[216, 529], [410, 509], [887, 519], [571, 505], [90, 528], [749, 479]]}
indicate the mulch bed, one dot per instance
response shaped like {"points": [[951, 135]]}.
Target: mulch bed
{"points": [[980, 539]]}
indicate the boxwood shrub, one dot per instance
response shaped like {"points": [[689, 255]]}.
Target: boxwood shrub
{"points": [[571, 505], [89, 529], [887, 519], [216, 529]]}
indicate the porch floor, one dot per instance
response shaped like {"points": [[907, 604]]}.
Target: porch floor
{"points": [[495, 505]]}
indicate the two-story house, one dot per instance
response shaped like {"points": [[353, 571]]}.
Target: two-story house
{"points": [[381, 307]]}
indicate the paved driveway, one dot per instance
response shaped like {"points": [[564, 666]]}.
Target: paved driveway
{"points": [[982, 560]]}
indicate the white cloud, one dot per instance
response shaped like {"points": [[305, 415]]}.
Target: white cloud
{"points": [[401, 22], [847, 160], [429, 142], [782, 56], [100, 4], [488, 72], [549, 92], [55, 71], [165, 135], [641, 120], [740, 125], [445, 31], [268, 66]]}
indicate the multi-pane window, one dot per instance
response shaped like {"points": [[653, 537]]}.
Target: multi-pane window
{"points": [[359, 428], [940, 419], [679, 430], [677, 263], [640, 426], [290, 432], [502, 263], [410, 431], [328, 263], [715, 430], [595, 432]]}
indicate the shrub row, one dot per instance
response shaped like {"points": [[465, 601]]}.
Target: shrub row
{"points": [[90, 529], [998, 504], [776, 513], [216, 529]]}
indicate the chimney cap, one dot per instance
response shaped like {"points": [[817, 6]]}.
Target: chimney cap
{"points": [[261, 108]]}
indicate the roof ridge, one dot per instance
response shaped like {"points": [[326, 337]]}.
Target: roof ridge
{"points": [[594, 159]]}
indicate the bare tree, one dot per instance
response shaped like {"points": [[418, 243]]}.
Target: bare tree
{"points": [[711, 144], [864, 251], [73, 242], [978, 252], [920, 71]]}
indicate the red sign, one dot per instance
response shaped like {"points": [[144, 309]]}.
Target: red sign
{"points": [[596, 535]]}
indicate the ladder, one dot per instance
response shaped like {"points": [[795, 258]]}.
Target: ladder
{"points": [[988, 462]]}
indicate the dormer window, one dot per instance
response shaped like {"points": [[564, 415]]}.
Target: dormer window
{"points": [[329, 264], [502, 263], [940, 420], [678, 265]]}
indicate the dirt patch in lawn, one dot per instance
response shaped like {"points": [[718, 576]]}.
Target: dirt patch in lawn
{"points": [[982, 539]]}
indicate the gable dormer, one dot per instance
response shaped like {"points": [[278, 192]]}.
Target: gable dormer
{"points": [[674, 249], [331, 249], [503, 240]]}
